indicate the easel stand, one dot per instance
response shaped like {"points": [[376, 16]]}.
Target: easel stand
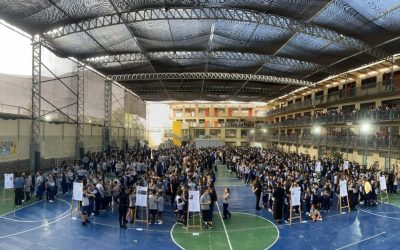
{"points": [[291, 217], [144, 211], [72, 206], [384, 196], [194, 225], [340, 204], [8, 195]]}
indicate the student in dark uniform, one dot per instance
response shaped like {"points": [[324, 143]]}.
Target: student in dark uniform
{"points": [[279, 196], [123, 202]]}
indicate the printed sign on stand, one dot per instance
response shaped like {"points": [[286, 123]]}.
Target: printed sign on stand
{"points": [[141, 196], [8, 181], [382, 182], [296, 191], [77, 191], [194, 201], [343, 188]]}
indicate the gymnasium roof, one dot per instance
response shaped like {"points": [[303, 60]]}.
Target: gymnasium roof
{"points": [[215, 50]]}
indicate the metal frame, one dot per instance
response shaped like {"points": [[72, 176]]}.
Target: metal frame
{"points": [[216, 13], [80, 91], [107, 113], [210, 76], [209, 55], [36, 101], [155, 89]]}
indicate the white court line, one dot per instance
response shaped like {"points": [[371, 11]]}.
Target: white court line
{"points": [[172, 237], [15, 210], [223, 224], [357, 242], [277, 229], [383, 216], [43, 220], [32, 229]]}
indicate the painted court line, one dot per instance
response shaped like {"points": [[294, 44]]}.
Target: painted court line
{"points": [[33, 203], [357, 242], [277, 229], [36, 221], [32, 229], [223, 224], [379, 215], [172, 237]]}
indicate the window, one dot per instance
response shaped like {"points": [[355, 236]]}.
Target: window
{"points": [[333, 90], [368, 83]]}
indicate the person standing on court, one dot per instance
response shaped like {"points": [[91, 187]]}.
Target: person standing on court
{"points": [[205, 201], [214, 198], [279, 196], [19, 184], [123, 202], [225, 202], [257, 189]]}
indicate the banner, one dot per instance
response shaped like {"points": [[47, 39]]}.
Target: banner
{"points": [[141, 196], [207, 111], [295, 191], [8, 181], [250, 113], [77, 191], [382, 182], [206, 124], [343, 188], [194, 201], [216, 124], [8, 148]]}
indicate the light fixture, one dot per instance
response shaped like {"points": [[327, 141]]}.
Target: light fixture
{"points": [[365, 127], [264, 130], [316, 129]]}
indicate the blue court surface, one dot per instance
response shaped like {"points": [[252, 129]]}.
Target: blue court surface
{"points": [[45, 225]]}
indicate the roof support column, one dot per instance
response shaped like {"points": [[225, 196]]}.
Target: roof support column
{"points": [[34, 151], [80, 122], [107, 114]]}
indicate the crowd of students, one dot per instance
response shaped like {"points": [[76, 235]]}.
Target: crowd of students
{"points": [[170, 173]]}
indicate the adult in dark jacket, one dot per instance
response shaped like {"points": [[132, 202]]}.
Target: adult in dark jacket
{"points": [[279, 196], [123, 202]]}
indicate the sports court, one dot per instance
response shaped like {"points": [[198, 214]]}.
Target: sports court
{"points": [[199, 124]]}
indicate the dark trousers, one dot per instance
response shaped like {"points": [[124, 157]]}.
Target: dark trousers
{"points": [[225, 210], [367, 199], [19, 196], [122, 215], [258, 197], [211, 211], [205, 214], [153, 214]]}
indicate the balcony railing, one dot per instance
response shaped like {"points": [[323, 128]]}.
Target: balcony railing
{"points": [[342, 94], [353, 141], [353, 117]]}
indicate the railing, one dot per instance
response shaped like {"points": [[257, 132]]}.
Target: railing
{"points": [[12, 109], [341, 94], [353, 117], [353, 141]]}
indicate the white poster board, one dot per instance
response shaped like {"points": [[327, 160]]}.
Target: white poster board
{"points": [[8, 181], [382, 182], [318, 166], [346, 165], [295, 191], [194, 201], [141, 196], [77, 191], [343, 188]]}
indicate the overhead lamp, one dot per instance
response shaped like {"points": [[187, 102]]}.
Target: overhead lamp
{"points": [[365, 127], [316, 129]]}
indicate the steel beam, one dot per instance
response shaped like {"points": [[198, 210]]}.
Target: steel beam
{"points": [[107, 113], [205, 55], [142, 90], [80, 95], [35, 157], [215, 14], [210, 76]]}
